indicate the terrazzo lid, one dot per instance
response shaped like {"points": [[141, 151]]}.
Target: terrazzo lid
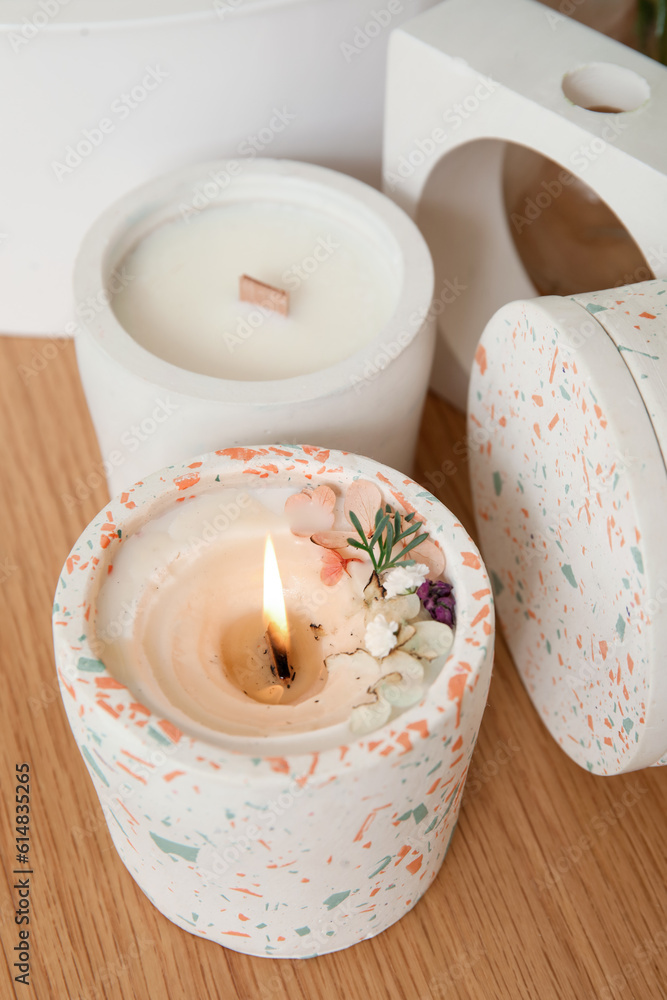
{"points": [[635, 317], [570, 496]]}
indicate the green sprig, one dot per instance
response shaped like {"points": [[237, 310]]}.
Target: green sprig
{"points": [[386, 535]]}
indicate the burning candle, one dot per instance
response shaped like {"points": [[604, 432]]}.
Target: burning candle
{"points": [[291, 302], [260, 661], [275, 619], [198, 621]]}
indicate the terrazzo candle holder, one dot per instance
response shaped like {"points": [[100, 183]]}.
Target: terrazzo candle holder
{"points": [[568, 433], [286, 849]]}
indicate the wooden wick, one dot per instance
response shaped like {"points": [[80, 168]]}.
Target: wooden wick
{"points": [[280, 667], [266, 296]]}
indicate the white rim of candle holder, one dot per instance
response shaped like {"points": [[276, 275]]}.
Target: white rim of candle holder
{"points": [[141, 211], [86, 681]]}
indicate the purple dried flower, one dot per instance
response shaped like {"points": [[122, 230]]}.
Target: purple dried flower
{"points": [[438, 599]]}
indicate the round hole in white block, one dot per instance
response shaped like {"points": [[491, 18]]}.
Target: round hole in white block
{"points": [[604, 87]]}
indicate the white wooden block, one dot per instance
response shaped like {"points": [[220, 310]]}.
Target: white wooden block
{"points": [[470, 76]]}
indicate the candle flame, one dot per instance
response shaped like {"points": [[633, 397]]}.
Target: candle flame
{"points": [[274, 602]]}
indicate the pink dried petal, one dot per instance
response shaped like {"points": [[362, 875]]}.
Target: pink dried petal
{"points": [[431, 555], [333, 539], [333, 565], [364, 499], [311, 510], [325, 497]]}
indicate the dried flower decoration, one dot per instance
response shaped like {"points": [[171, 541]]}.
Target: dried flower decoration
{"points": [[365, 511], [408, 611], [438, 599], [311, 510], [404, 578], [410, 644], [380, 636]]}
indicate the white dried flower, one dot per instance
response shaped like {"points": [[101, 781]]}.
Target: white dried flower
{"points": [[380, 636], [404, 579]]}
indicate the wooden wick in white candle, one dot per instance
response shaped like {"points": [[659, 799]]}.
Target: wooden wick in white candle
{"points": [[280, 667], [261, 294]]}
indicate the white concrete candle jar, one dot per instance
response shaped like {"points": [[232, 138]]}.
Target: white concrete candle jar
{"points": [[109, 93], [472, 82], [173, 363], [568, 433], [289, 812]]}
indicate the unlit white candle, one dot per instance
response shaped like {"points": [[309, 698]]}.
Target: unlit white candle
{"points": [[182, 302]]}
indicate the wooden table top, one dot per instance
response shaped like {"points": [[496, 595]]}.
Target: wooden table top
{"points": [[555, 883]]}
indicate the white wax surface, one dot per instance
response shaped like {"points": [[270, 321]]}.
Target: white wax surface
{"points": [[182, 303], [180, 615]]}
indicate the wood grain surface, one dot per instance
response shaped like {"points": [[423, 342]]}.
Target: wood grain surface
{"points": [[555, 883]]}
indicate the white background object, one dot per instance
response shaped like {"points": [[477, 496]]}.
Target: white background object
{"points": [[471, 75], [100, 96], [568, 432], [148, 413]]}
